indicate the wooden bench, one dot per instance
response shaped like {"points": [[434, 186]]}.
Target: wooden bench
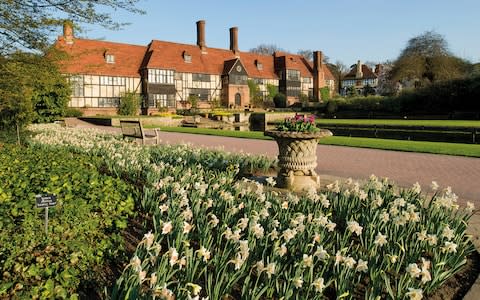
{"points": [[134, 129]]}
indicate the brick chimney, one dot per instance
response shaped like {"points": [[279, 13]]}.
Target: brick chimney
{"points": [[318, 75], [359, 70], [378, 69], [201, 35], [68, 32], [234, 40]]}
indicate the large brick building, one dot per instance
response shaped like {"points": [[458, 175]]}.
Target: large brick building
{"points": [[167, 73]]}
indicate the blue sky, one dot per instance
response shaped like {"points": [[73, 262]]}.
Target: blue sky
{"points": [[345, 30]]}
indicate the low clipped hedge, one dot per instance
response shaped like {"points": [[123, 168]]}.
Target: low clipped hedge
{"points": [[83, 230]]}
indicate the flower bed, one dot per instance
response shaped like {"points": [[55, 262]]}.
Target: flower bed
{"points": [[215, 237]]}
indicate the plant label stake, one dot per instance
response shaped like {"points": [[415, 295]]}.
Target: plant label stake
{"points": [[46, 201]]}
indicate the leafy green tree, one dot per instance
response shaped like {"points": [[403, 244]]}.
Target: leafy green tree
{"points": [[325, 93], [255, 94], [129, 104], [16, 109], [193, 101], [31, 89], [427, 59], [272, 91], [29, 24]]}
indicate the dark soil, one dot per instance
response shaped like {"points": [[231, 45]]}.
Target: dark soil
{"points": [[457, 286]]}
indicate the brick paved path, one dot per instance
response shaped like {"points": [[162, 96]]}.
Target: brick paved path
{"points": [[405, 168]]}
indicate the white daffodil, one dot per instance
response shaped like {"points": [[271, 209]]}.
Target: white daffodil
{"points": [[416, 188], [354, 227], [470, 207], [167, 227], [213, 220], [321, 253], [270, 269], [204, 253], [163, 208], [258, 231], [384, 217], [413, 270], [362, 266], [425, 275], [392, 258], [149, 238], [349, 262], [173, 256], [450, 247], [319, 285], [414, 294], [298, 282], [282, 250], [448, 233], [432, 239], [307, 260], [271, 181], [330, 226], [380, 239], [153, 280], [195, 288]]}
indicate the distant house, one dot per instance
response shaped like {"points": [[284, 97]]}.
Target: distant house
{"points": [[361, 77], [166, 74]]}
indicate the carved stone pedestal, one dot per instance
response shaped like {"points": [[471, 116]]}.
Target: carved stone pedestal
{"points": [[297, 158]]}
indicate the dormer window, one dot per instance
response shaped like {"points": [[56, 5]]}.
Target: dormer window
{"points": [[187, 57], [259, 65], [110, 58]]}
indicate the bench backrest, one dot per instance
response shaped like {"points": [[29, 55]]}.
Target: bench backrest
{"points": [[131, 128]]}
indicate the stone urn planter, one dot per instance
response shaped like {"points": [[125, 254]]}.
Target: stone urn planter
{"points": [[297, 158]]}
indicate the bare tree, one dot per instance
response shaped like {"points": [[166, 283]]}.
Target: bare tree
{"points": [[427, 59], [266, 49], [339, 70]]}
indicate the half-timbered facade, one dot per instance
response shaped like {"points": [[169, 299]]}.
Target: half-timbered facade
{"points": [[166, 74]]}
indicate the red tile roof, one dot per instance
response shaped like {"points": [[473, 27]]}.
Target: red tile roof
{"points": [[298, 62], [367, 73], [168, 55], [88, 57]]}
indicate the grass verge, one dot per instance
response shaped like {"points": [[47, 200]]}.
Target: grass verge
{"points": [[385, 144]]}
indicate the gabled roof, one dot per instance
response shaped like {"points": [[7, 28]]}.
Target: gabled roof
{"points": [[88, 57], [168, 55], [250, 61], [298, 62], [295, 62], [367, 73], [228, 66]]}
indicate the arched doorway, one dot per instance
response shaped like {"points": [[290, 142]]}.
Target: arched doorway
{"points": [[238, 99]]}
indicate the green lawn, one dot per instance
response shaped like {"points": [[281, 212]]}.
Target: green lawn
{"points": [[398, 145], [466, 123]]}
